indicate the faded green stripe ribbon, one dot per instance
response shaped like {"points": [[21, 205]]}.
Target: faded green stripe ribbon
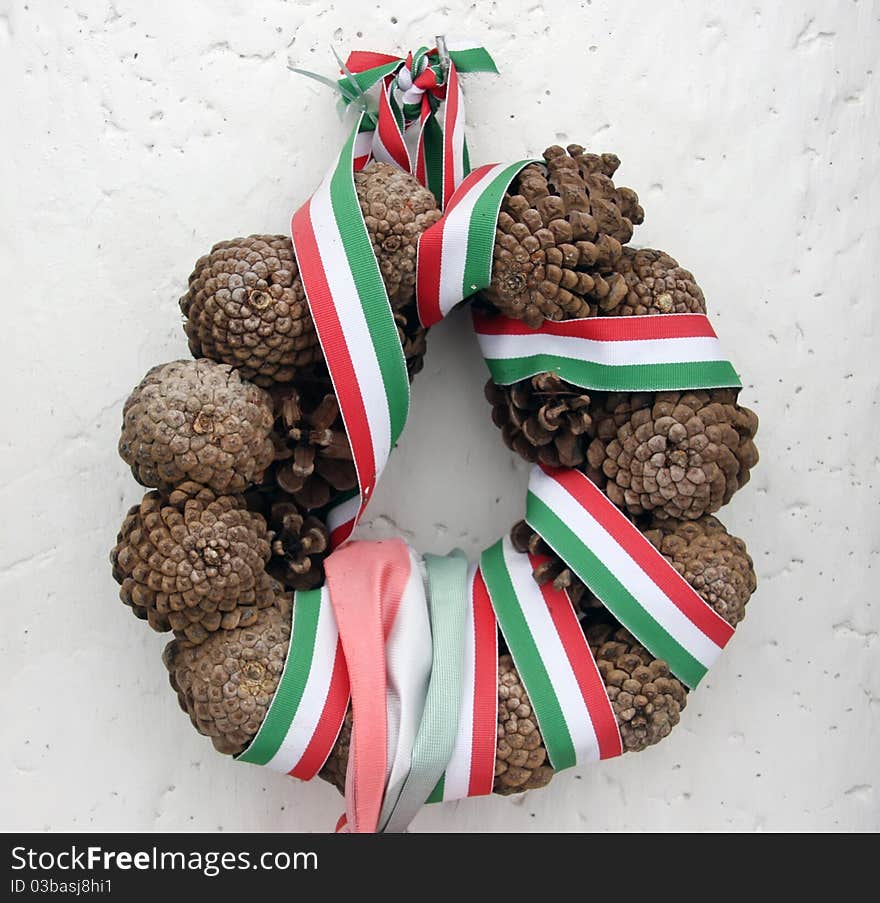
{"points": [[435, 741]]}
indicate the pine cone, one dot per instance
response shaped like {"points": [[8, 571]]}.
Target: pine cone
{"points": [[245, 304], [715, 563], [397, 209], [655, 284], [647, 700], [193, 562], [196, 420], [560, 229], [542, 419], [226, 684], [677, 454], [521, 761], [301, 544]]}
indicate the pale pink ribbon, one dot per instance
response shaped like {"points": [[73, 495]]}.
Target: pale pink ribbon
{"points": [[366, 582]]}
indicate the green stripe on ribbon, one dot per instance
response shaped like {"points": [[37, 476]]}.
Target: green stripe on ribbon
{"points": [[366, 79], [370, 288], [473, 59], [614, 378], [527, 658], [433, 142], [437, 793], [611, 592], [435, 740], [481, 231], [285, 702]]}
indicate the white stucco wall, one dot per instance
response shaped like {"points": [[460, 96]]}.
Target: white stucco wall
{"points": [[134, 135]]}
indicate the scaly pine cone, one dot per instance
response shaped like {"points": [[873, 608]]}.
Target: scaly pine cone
{"points": [[226, 684], [199, 421], [542, 419], [193, 562], [655, 284], [560, 229], [676, 454], [245, 304]]}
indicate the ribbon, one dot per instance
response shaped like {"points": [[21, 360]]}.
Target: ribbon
{"points": [[435, 741], [553, 659], [411, 91], [309, 705], [634, 581], [612, 354], [379, 603]]}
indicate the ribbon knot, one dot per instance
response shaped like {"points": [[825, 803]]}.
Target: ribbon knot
{"points": [[406, 131]]}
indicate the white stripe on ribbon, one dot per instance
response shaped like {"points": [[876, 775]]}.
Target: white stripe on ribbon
{"points": [[553, 653], [408, 659], [352, 321], [314, 696], [636, 581], [612, 353]]}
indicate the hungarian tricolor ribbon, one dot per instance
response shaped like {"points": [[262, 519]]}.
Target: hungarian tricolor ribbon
{"points": [[628, 575], [411, 91]]}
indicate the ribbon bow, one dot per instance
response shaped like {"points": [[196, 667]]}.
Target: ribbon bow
{"points": [[412, 90]]}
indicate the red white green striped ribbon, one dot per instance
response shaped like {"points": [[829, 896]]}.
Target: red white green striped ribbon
{"points": [[552, 656], [634, 581], [471, 769], [455, 254], [309, 705], [354, 323], [650, 354]]}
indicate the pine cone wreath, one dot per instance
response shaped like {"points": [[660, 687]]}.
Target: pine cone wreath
{"points": [[193, 562], [226, 684], [559, 236], [655, 284], [245, 304], [198, 421]]}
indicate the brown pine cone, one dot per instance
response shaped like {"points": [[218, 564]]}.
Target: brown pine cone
{"points": [[676, 454], [196, 420], [245, 304], [521, 761], [655, 284], [193, 562], [397, 209], [715, 563], [646, 698], [299, 548], [226, 684], [560, 229], [542, 419]]}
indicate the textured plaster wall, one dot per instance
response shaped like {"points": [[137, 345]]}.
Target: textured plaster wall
{"points": [[134, 135]]}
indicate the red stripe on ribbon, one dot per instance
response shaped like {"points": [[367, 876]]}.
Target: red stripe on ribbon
{"points": [[333, 343], [628, 537], [604, 329], [361, 60], [450, 115], [340, 533], [429, 255], [330, 722], [583, 665], [485, 721]]}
